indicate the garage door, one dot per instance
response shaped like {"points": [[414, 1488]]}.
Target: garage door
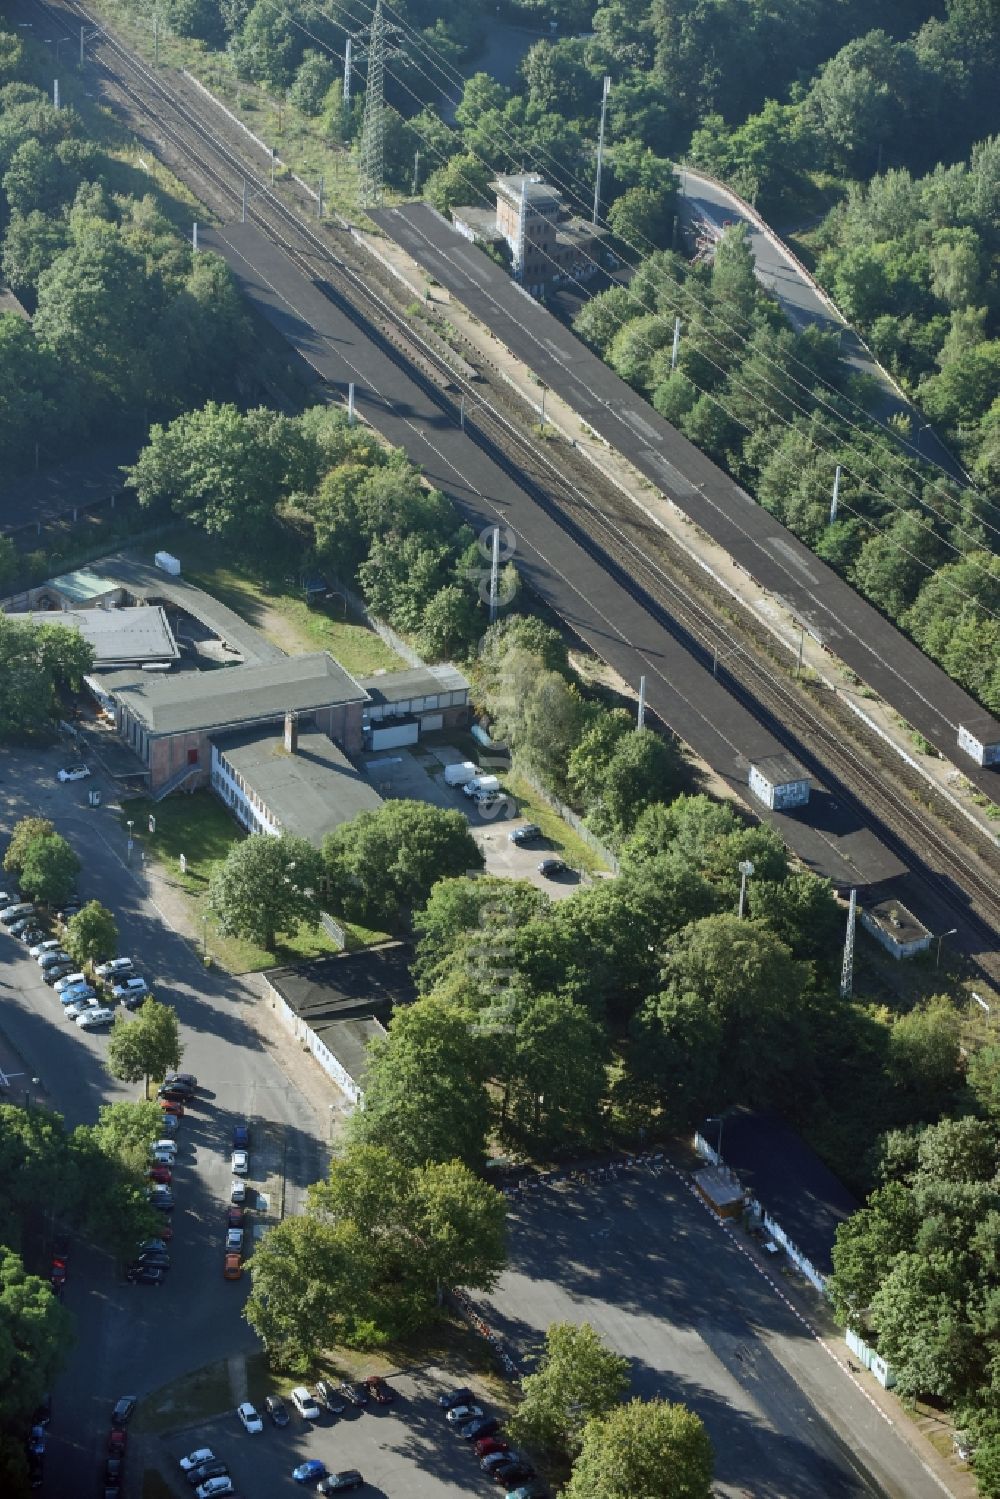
{"points": [[394, 735]]}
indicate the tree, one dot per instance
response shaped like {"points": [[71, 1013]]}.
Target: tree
{"points": [[36, 663], [733, 280], [577, 1380], [223, 469], [382, 866], [448, 623], [652, 1448], [458, 908], [425, 1094], [643, 217], [30, 245], [553, 1070], [265, 885], [91, 934], [644, 768], [378, 1245], [125, 1131], [145, 1046], [36, 1333], [463, 179], [312, 82], [923, 1061], [49, 869], [24, 833]]}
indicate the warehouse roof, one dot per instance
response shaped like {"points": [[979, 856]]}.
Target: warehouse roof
{"points": [[308, 793], [120, 637], [788, 1179], [371, 982], [82, 586], [231, 696], [419, 681]]}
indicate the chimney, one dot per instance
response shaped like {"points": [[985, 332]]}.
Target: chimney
{"points": [[291, 733]]}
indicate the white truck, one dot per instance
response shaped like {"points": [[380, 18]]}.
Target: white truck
{"points": [[481, 783], [460, 775]]}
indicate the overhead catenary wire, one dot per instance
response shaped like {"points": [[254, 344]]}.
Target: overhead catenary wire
{"points": [[580, 191], [866, 520]]}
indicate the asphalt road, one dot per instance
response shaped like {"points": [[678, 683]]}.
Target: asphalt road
{"points": [[647, 1266], [132, 1339], [705, 202]]}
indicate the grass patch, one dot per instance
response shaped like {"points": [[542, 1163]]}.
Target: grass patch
{"points": [[359, 936], [155, 1486], [200, 828], [206, 1392], [569, 844], [277, 610]]}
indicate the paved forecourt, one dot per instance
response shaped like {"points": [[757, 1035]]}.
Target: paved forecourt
{"points": [[661, 1281]]}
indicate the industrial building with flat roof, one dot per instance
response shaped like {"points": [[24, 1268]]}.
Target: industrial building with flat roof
{"points": [[169, 721], [121, 637], [338, 1006], [289, 779]]}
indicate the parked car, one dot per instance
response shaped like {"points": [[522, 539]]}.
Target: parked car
{"points": [[354, 1394], [196, 1458], [146, 1275], [161, 1157], [515, 1472], [49, 944], [160, 1243], [249, 1417], [52, 975], [489, 1447], [73, 773], [212, 1467], [76, 1007], [158, 1257], [235, 1217], [185, 1080], [161, 1198], [339, 1483], [380, 1392], [460, 1413], [551, 867], [214, 1487], [77, 991], [232, 1267], [234, 1240], [304, 1403], [54, 957], [240, 1163], [171, 1107], [497, 1460], [117, 1440], [277, 1410], [533, 1489], [241, 1137], [69, 981], [160, 1173], [170, 1124], [130, 989], [327, 1395], [92, 1019], [238, 1192], [16, 912], [528, 832], [123, 1410], [70, 909], [114, 968], [27, 928], [174, 1097], [451, 1398], [309, 1471], [483, 1426]]}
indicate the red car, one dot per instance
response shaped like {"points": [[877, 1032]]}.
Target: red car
{"points": [[236, 1217], [116, 1441], [381, 1393], [160, 1174], [172, 1106], [58, 1272], [488, 1445]]}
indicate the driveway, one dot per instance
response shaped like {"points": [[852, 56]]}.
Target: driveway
{"points": [[706, 203], [135, 1338], [419, 776]]}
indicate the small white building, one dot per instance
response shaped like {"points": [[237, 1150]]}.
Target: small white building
{"points": [[980, 738], [779, 781], [896, 928]]}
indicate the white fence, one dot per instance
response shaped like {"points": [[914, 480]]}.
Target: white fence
{"points": [[872, 1361]]}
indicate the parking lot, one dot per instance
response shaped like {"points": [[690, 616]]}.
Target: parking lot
{"points": [[419, 776], [646, 1265], [406, 1448]]}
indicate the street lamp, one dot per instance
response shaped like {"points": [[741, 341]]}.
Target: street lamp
{"points": [[130, 824], [204, 935], [937, 961], [720, 1121], [746, 870]]}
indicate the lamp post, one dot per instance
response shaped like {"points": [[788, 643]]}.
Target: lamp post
{"points": [[720, 1121], [130, 824], [951, 933], [746, 868], [204, 936]]}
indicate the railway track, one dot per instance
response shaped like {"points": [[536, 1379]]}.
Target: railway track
{"points": [[607, 526]]}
